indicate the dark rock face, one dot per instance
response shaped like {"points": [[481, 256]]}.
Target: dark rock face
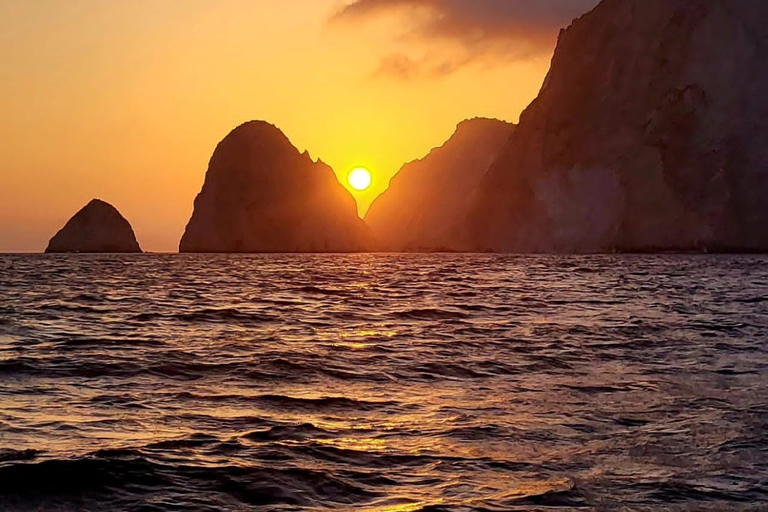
{"points": [[428, 200], [650, 133], [97, 228], [262, 195]]}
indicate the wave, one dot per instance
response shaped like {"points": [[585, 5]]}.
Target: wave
{"points": [[71, 476], [193, 441], [290, 402], [178, 367], [316, 290], [107, 476], [74, 308], [18, 366], [209, 315], [753, 300], [102, 342], [454, 371], [729, 489], [428, 314], [335, 402], [10, 455], [596, 390], [88, 297], [553, 499], [289, 432]]}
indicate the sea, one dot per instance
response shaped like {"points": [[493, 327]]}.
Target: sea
{"points": [[383, 382]]}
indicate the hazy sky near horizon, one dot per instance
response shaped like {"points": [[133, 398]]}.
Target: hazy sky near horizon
{"points": [[126, 101]]}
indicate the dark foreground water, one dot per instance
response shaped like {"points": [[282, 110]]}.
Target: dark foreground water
{"points": [[383, 383]]}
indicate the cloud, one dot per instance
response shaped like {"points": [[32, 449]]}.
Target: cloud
{"points": [[405, 67], [457, 33]]}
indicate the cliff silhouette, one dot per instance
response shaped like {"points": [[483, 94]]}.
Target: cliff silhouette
{"points": [[428, 200], [649, 134], [262, 195]]}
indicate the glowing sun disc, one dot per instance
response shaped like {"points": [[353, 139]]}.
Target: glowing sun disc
{"points": [[360, 179]]}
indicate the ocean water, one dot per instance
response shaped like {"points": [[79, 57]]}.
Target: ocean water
{"points": [[383, 383]]}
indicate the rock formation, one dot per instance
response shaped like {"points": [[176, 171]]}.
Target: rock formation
{"points": [[650, 133], [428, 200], [261, 195], [97, 228]]}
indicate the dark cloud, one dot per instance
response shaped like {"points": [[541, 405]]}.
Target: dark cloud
{"points": [[487, 31]]}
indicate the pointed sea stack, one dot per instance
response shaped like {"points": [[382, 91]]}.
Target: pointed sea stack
{"points": [[650, 133], [97, 228], [428, 200], [261, 195]]}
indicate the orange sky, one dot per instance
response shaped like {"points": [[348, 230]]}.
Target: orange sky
{"points": [[126, 100]]}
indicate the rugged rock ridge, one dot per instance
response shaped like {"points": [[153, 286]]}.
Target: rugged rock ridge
{"points": [[261, 195], [650, 133], [428, 200], [97, 228]]}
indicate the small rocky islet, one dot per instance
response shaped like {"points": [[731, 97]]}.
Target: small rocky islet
{"points": [[97, 228]]}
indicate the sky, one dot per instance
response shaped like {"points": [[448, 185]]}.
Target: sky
{"points": [[126, 100]]}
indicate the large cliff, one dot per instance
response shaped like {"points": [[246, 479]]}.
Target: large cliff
{"points": [[650, 133], [262, 195], [97, 228], [428, 200]]}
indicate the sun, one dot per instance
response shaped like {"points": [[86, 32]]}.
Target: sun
{"points": [[360, 179]]}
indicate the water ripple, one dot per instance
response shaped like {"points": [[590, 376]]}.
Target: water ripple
{"points": [[392, 383]]}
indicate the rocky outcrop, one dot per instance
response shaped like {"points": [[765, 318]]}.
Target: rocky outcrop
{"points": [[97, 228], [650, 133], [428, 200], [262, 195]]}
